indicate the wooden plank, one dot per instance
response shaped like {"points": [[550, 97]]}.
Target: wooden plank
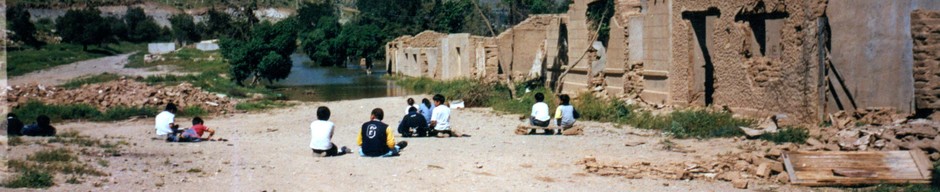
{"points": [[923, 163], [865, 167]]}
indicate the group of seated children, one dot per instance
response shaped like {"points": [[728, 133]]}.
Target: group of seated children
{"points": [[375, 138], [42, 127], [166, 126], [427, 120], [565, 114]]}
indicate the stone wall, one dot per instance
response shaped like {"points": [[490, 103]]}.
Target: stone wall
{"points": [[926, 37], [753, 56]]}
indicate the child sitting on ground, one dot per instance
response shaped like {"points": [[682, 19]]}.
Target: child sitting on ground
{"points": [[195, 133], [565, 114], [321, 134], [540, 116]]}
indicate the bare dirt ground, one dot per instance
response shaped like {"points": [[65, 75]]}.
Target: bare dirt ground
{"points": [[269, 151], [111, 64]]}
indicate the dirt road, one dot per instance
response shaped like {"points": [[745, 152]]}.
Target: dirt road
{"points": [[269, 151], [111, 64]]}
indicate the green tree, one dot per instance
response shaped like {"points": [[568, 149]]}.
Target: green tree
{"points": [[449, 17], [217, 25], [599, 13], [322, 44], [83, 26], [23, 29], [265, 55], [140, 27], [184, 29], [362, 41], [310, 13]]}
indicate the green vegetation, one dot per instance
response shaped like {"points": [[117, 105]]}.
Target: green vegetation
{"points": [[55, 155], [193, 111], [212, 83], [702, 124], [265, 55], [84, 27], [788, 134], [33, 109], [29, 60], [23, 30], [15, 141], [188, 59], [30, 179]]}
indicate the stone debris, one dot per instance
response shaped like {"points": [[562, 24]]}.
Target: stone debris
{"points": [[738, 167], [123, 92]]}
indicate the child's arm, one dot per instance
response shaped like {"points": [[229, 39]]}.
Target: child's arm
{"points": [[211, 133]]}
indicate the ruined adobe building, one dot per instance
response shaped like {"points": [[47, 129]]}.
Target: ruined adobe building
{"points": [[802, 58]]}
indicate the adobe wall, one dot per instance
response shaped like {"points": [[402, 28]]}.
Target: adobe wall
{"points": [[926, 37], [715, 48], [873, 53], [518, 46]]}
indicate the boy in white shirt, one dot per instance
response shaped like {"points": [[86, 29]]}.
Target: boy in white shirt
{"points": [[165, 124], [540, 116], [321, 132], [440, 119]]}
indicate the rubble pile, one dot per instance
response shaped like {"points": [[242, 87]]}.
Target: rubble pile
{"points": [[763, 164], [919, 134], [123, 92]]}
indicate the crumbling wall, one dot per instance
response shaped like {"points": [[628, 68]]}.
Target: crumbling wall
{"points": [[518, 46], [579, 41], [925, 30], [872, 54], [657, 51], [713, 63]]}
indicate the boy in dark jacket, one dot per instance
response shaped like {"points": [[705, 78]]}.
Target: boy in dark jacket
{"points": [[376, 138]]}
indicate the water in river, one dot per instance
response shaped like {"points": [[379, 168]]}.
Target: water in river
{"points": [[307, 83]]}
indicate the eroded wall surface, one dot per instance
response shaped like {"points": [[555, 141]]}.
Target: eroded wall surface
{"points": [[754, 56], [872, 53], [926, 35]]}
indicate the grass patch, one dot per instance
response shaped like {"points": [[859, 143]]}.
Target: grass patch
{"points": [[260, 105], [30, 179], [101, 78], [55, 155], [33, 109], [701, 124], [193, 111], [190, 59], [28, 60], [787, 134]]}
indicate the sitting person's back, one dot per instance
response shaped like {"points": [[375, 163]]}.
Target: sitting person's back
{"points": [[413, 124], [14, 125], [376, 139], [41, 128], [565, 115]]}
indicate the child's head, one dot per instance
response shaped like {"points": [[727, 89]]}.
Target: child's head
{"points": [[411, 101], [539, 97], [197, 121], [323, 113], [170, 107], [412, 110], [439, 99], [565, 100], [11, 116], [377, 113], [42, 120], [426, 102]]}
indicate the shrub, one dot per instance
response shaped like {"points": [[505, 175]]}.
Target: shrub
{"points": [[193, 111], [788, 134], [30, 179], [32, 109], [699, 123], [124, 112], [55, 155]]}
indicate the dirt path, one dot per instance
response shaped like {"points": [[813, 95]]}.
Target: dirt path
{"points": [[111, 64], [269, 151]]}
